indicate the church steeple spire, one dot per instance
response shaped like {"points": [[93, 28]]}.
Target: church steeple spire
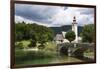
{"points": [[74, 20]]}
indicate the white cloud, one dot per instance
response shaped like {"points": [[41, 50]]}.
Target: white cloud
{"points": [[54, 15], [21, 19], [65, 17]]}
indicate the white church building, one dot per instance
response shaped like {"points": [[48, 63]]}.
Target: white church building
{"points": [[60, 38]]}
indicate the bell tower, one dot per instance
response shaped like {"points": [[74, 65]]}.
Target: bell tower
{"points": [[74, 28]]}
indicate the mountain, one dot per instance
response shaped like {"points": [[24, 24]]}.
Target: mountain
{"points": [[65, 28]]}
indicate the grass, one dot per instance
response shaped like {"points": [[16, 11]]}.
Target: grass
{"points": [[50, 46], [89, 54], [24, 42]]}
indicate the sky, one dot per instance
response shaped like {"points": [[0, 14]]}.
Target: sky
{"points": [[53, 16]]}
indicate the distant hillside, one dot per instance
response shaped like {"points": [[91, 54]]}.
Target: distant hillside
{"points": [[65, 28]]}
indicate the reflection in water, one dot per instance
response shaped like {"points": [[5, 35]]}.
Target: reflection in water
{"points": [[57, 59], [65, 59]]}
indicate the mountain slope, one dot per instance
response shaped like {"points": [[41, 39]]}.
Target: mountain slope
{"points": [[65, 28]]}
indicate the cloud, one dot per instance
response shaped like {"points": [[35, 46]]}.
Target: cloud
{"points": [[21, 19], [36, 12], [53, 15], [87, 11]]}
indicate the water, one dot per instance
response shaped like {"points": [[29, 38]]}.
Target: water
{"points": [[57, 59]]}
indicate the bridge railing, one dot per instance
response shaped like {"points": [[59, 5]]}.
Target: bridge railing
{"points": [[77, 45]]}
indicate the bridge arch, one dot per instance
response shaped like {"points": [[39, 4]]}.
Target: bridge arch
{"points": [[76, 51]]}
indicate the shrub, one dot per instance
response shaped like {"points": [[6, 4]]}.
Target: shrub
{"points": [[32, 44], [41, 46], [50, 47], [19, 45]]}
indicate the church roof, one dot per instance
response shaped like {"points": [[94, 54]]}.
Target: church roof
{"points": [[59, 37]]}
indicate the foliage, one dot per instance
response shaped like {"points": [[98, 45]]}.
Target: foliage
{"points": [[51, 46], [34, 32], [19, 45], [22, 44], [88, 33], [33, 40], [25, 43], [25, 31], [70, 35], [33, 43], [42, 46]]}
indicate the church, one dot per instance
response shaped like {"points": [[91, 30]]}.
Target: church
{"points": [[60, 38]]}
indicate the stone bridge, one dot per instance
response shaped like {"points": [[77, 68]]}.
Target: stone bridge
{"points": [[75, 49]]}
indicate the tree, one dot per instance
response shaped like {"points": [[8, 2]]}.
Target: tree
{"points": [[33, 39], [70, 35], [88, 33], [33, 43], [24, 31], [20, 31], [42, 40], [19, 45], [33, 32]]}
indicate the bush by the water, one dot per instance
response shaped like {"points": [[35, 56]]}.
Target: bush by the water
{"points": [[19, 45], [51, 46], [41, 46], [32, 44]]}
